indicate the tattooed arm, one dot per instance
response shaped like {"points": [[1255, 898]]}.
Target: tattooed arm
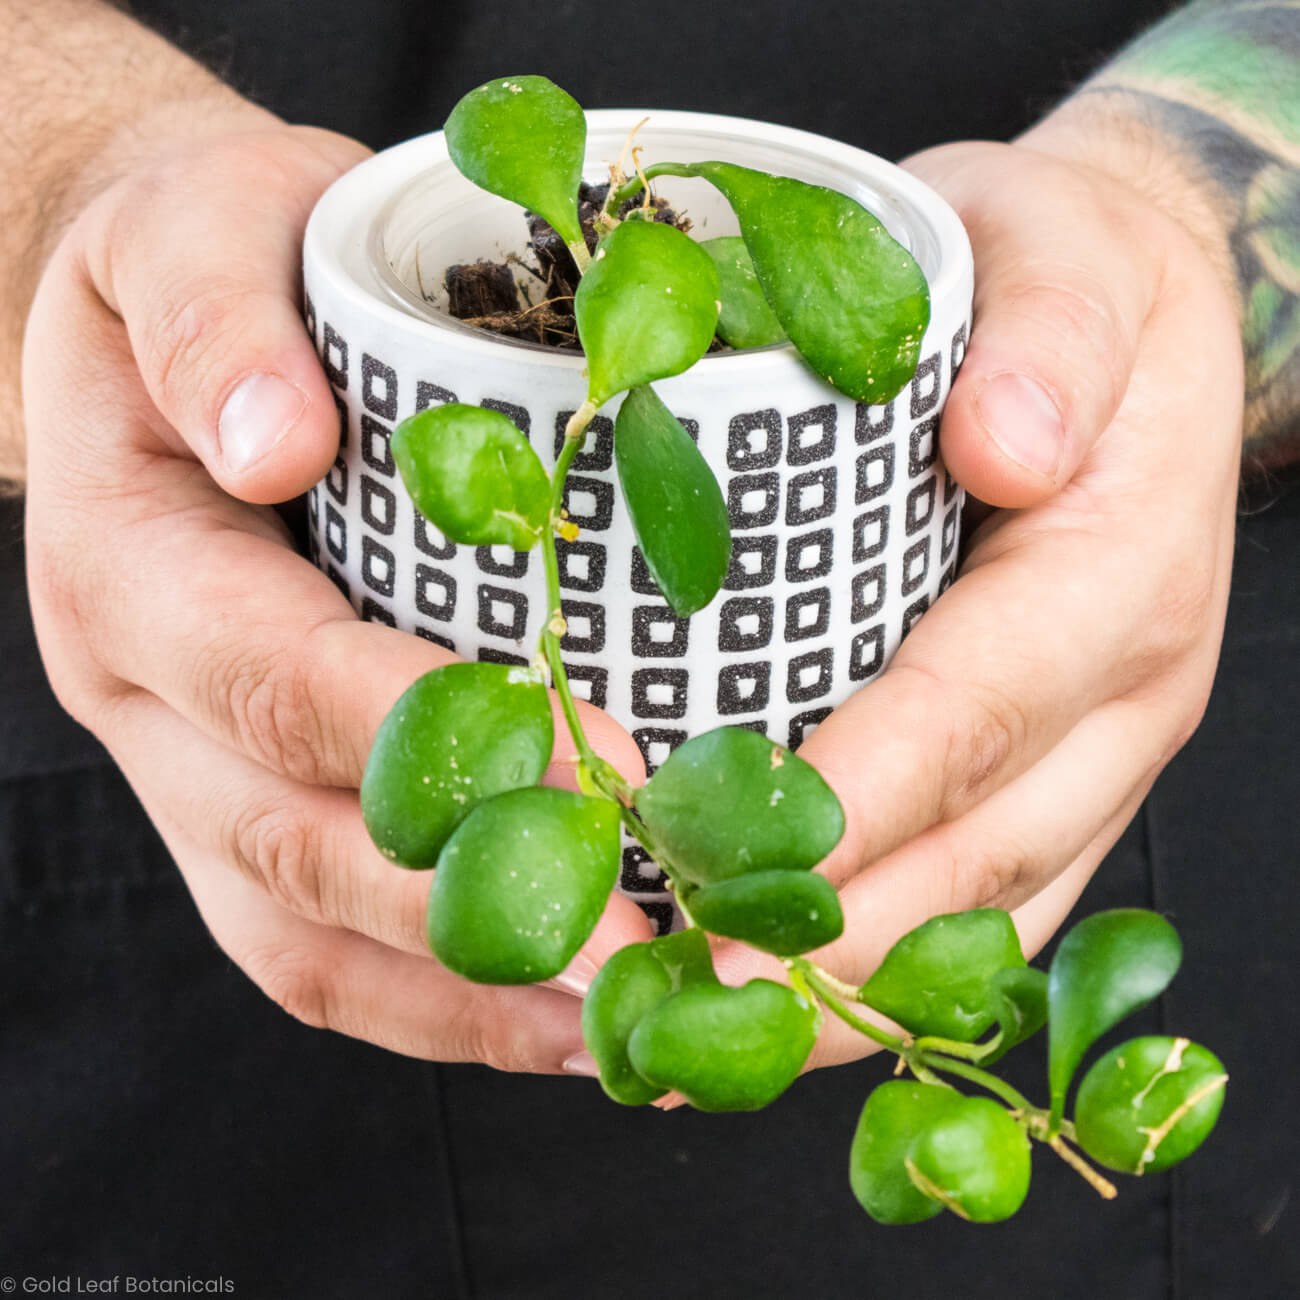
{"points": [[1215, 89]]}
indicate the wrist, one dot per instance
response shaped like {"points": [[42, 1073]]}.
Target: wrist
{"points": [[1108, 132]]}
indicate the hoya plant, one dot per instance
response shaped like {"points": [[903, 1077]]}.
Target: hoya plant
{"points": [[521, 872]]}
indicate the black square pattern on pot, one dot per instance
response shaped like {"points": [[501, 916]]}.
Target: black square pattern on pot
{"points": [[435, 592], [958, 349], [589, 682], [581, 565], [660, 915], [745, 624], [339, 581], [802, 725], [585, 626], [640, 577], [920, 506], [871, 423], [949, 538], [753, 562], [913, 612], [373, 612], [655, 744], [378, 506], [309, 314], [517, 415], [809, 676], [640, 874], [429, 394], [341, 410], [808, 613], [334, 357], [950, 488], [378, 387], [867, 653], [336, 481], [875, 473], [659, 692], [754, 440], [598, 445], [376, 450], [502, 612], [744, 688], [378, 569], [870, 534], [868, 591], [811, 435], [916, 565], [502, 561], [922, 446], [589, 501], [925, 386], [753, 499], [430, 541], [491, 655], [808, 556], [437, 638], [810, 496], [657, 633], [336, 534]]}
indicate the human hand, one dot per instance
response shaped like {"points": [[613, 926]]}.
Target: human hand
{"points": [[171, 392], [1024, 719]]}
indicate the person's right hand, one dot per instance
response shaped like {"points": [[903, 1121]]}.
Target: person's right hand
{"points": [[170, 392]]}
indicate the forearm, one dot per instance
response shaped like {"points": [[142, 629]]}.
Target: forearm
{"points": [[83, 90], [1208, 105]]}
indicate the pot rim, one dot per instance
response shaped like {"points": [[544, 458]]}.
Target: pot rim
{"points": [[342, 239]]}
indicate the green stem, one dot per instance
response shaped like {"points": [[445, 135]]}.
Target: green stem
{"points": [[630, 188], [950, 1047], [973, 1074], [826, 987], [580, 254]]}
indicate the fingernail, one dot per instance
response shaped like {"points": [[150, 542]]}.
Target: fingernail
{"points": [[576, 977], [582, 1063], [1023, 420], [256, 416]]}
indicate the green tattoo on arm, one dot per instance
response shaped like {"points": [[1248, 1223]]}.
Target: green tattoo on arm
{"points": [[1220, 79]]}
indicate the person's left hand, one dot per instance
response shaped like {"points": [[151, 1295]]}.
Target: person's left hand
{"points": [[1022, 722]]}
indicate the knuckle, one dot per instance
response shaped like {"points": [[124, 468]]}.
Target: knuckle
{"points": [[279, 852], [294, 981], [997, 874], [987, 729], [270, 707], [478, 1029]]}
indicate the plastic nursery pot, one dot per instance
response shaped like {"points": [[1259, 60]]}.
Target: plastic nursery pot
{"points": [[844, 522]]}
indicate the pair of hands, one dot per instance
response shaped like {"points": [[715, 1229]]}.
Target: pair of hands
{"points": [[171, 393]]}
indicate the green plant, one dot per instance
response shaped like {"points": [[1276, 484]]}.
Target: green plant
{"points": [[737, 823]]}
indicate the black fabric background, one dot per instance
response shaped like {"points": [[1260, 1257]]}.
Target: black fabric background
{"points": [[161, 1117]]}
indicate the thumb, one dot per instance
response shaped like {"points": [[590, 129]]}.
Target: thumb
{"points": [[200, 255], [1063, 283]]}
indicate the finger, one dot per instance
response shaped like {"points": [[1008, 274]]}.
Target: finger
{"points": [[336, 979], [1065, 277], [211, 303], [306, 848]]}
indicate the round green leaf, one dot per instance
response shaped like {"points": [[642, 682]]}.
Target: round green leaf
{"points": [[746, 319], [894, 1116], [725, 1048], [731, 802], [1018, 1001], [1149, 1103], [471, 472], [646, 307], [1106, 967], [782, 912], [853, 300], [631, 983], [935, 979], [521, 884], [523, 138], [674, 502], [974, 1160], [459, 735]]}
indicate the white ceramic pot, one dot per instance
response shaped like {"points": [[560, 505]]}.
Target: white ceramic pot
{"points": [[844, 522]]}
